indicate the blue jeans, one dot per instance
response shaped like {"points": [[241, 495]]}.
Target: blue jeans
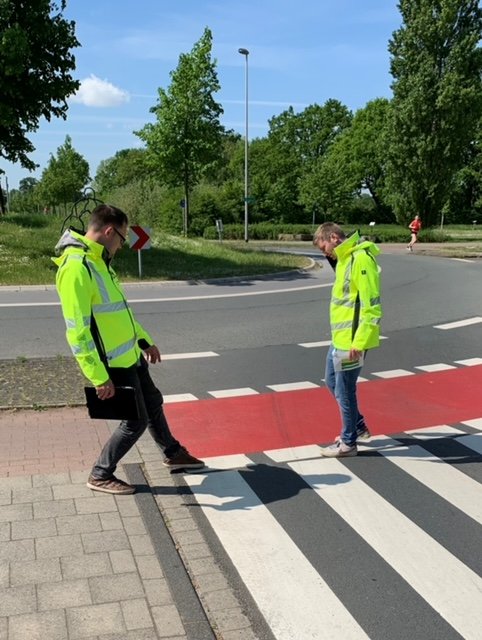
{"points": [[129, 431], [342, 385]]}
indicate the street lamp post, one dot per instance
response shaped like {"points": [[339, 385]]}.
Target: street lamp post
{"points": [[245, 53]]}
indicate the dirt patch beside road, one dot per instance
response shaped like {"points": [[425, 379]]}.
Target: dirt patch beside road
{"points": [[40, 382]]}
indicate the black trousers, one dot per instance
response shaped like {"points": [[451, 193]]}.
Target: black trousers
{"points": [[129, 431]]}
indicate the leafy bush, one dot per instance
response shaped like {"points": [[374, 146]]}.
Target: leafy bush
{"points": [[141, 200], [394, 233], [268, 231], [259, 231]]}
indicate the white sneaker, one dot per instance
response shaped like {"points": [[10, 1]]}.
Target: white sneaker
{"points": [[339, 450]]}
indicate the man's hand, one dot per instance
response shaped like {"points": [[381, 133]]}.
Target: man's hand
{"points": [[106, 390], [152, 354], [354, 354]]}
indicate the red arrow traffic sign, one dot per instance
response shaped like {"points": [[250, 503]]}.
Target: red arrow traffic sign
{"points": [[139, 237]]}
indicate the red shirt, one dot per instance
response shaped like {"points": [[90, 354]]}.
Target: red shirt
{"points": [[415, 226]]}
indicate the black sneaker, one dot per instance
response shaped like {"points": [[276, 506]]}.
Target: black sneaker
{"points": [[183, 460]]}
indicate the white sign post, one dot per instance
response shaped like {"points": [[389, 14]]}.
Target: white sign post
{"points": [[139, 239]]}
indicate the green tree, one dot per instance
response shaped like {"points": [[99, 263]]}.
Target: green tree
{"points": [[436, 64], [230, 161], [186, 139], [127, 165], [295, 144], [25, 198], [327, 189], [465, 200], [358, 159], [65, 176], [27, 185], [141, 199], [35, 66]]}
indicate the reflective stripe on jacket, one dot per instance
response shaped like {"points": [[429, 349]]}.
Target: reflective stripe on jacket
{"points": [[355, 308], [88, 287]]}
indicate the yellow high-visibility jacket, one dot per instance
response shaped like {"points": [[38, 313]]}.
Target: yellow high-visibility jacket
{"points": [[91, 295], [355, 308]]}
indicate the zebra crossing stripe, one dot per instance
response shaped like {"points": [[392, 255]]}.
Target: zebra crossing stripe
{"points": [[366, 540], [366, 584], [439, 431], [455, 453], [418, 558], [475, 424], [294, 599], [460, 490], [227, 462], [294, 453], [473, 442]]}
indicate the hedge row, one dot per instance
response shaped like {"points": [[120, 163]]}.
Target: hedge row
{"points": [[267, 231]]}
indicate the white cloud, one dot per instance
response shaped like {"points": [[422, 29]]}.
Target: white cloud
{"points": [[94, 92]]}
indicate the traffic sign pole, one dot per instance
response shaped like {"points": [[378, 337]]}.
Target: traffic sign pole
{"points": [[139, 239]]}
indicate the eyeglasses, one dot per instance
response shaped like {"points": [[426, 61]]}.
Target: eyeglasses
{"points": [[123, 239]]}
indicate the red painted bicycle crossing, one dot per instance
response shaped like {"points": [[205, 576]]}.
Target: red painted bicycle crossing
{"points": [[294, 418]]}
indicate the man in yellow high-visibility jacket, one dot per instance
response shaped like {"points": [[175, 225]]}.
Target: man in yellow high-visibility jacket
{"points": [[110, 346], [355, 313]]}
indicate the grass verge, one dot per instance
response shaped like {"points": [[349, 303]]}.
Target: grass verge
{"points": [[27, 244]]}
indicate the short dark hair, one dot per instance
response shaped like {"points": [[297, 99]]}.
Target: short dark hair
{"points": [[105, 214]]}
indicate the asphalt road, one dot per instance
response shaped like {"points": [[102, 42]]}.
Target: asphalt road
{"points": [[255, 326]]}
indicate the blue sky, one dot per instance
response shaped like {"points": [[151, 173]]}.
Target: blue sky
{"points": [[301, 53]]}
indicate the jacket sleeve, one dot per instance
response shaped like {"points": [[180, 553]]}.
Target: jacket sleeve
{"points": [[74, 287], [144, 340], [366, 279]]}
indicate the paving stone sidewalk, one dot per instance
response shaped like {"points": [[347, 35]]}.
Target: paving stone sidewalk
{"points": [[78, 564]]}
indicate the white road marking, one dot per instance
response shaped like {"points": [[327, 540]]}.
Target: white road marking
{"points": [[293, 386], [473, 442], [476, 424], [431, 368], [180, 397], [213, 296], [459, 323], [461, 260], [418, 558], [241, 294], [324, 343], [294, 453], [234, 461], [185, 356], [470, 362], [442, 478], [313, 345], [230, 393], [393, 373], [264, 555], [439, 431], [29, 304]]}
